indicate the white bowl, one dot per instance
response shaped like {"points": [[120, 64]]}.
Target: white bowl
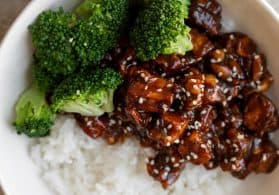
{"points": [[19, 175]]}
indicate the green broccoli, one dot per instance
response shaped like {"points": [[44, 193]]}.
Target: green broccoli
{"points": [[99, 28], [65, 41], [90, 93], [160, 29], [46, 81], [53, 35], [33, 115]]}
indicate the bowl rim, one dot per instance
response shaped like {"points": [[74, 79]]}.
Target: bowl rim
{"points": [[263, 3]]}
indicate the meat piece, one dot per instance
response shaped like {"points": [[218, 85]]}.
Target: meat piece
{"points": [[232, 116], [196, 147], [121, 57], [168, 128], [166, 167], [207, 116], [113, 127], [206, 15], [236, 62], [213, 95], [193, 86], [141, 119], [149, 92], [265, 156], [125, 60], [237, 150], [260, 114], [94, 127], [174, 63], [201, 44]]}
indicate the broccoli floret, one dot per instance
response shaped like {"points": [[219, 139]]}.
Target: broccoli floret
{"points": [[160, 29], [65, 41], [53, 35], [46, 81], [90, 93], [33, 115], [99, 28]]}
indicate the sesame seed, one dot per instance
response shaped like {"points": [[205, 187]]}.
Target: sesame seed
{"points": [[168, 144], [203, 112], [193, 80], [71, 40], [221, 146], [156, 171], [112, 122], [240, 136], [165, 107], [229, 79], [209, 135], [194, 155], [256, 57], [226, 90], [167, 169], [159, 90], [226, 161], [220, 74], [176, 165], [146, 79], [195, 102], [233, 159], [89, 123], [223, 124], [177, 141], [264, 157], [203, 146], [164, 176], [169, 85], [169, 138], [233, 167], [172, 159], [231, 37], [228, 141], [181, 160], [164, 74], [129, 128], [152, 162], [210, 165], [141, 100], [129, 58], [157, 122], [167, 159], [196, 87], [197, 124], [118, 50], [188, 157], [78, 92]]}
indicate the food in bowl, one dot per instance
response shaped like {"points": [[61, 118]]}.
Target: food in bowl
{"points": [[189, 95]]}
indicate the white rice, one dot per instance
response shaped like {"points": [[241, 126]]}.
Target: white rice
{"points": [[71, 163]]}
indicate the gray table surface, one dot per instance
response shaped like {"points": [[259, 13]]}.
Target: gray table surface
{"points": [[9, 9]]}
